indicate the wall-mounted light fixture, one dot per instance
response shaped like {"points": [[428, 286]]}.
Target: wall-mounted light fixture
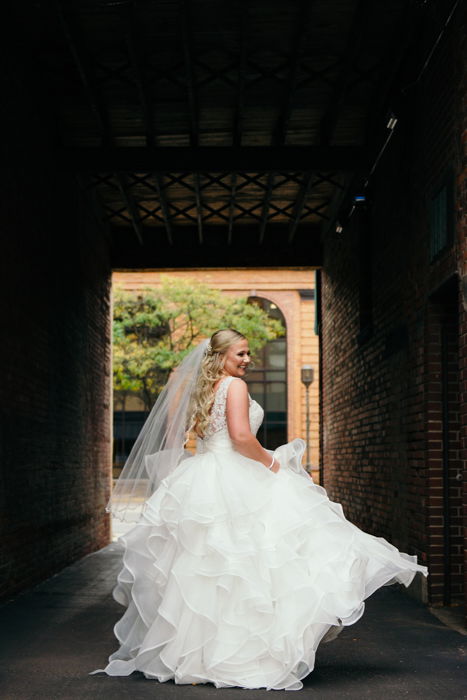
{"points": [[392, 121]]}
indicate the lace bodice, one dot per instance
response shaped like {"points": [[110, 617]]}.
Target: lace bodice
{"points": [[218, 422]]}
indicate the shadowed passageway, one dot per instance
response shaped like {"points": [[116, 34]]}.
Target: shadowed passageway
{"points": [[62, 629], [328, 135]]}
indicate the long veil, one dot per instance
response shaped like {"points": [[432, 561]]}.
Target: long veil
{"points": [[159, 447]]}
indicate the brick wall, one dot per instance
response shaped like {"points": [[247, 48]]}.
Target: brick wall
{"points": [[381, 341], [444, 487], [54, 354], [461, 225]]}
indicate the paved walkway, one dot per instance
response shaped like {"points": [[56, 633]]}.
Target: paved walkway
{"points": [[52, 636]]}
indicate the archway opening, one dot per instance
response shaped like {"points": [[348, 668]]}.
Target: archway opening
{"points": [[267, 381]]}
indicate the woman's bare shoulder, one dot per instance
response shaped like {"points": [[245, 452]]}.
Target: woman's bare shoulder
{"points": [[237, 387]]}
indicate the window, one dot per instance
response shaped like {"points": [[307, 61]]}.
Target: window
{"points": [[267, 383], [441, 207]]}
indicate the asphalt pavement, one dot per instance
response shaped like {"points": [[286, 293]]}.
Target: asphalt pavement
{"points": [[52, 636]]}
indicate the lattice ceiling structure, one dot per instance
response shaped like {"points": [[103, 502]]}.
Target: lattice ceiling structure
{"points": [[199, 126]]}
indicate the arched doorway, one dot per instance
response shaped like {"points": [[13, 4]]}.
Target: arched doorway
{"points": [[267, 382]]}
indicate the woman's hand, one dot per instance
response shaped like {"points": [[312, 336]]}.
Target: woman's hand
{"points": [[238, 425], [276, 466]]}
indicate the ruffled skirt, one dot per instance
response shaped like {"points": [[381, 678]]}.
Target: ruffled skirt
{"points": [[234, 575]]}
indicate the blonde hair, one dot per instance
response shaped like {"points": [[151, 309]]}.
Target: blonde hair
{"points": [[211, 370]]}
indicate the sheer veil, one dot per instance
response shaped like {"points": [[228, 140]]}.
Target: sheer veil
{"points": [[159, 447]]}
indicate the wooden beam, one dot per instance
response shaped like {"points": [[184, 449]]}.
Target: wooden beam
{"points": [[187, 253], [266, 204], [238, 116], [130, 205], [136, 60], [192, 103], [158, 178], [279, 134], [199, 209], [214, 159], [299, 204], [354, 42], [89, 84], [83, 67], [280, 129], [232, 207], [189, 71], [146, 105], [241, 76]]}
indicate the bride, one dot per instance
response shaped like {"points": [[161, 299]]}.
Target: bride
{"points": [[239, 565]]}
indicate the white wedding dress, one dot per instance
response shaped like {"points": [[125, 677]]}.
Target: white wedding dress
{"points": [[235, 574]]}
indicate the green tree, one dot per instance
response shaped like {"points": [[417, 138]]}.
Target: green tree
{"points": [[155, 328]]}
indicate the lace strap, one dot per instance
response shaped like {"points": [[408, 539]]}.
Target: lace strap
{"points": [[218, 418], [221, 393]]}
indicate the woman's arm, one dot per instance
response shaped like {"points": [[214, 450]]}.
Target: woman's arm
{"points": [[238, 425]]}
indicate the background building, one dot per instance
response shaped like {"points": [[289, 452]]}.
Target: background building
{"points": [[275, 383]]}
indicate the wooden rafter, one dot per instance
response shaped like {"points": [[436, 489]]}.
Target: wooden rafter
{"points": [[121, 64], [87, 78], [146, 212], [244, 181], [212, 212], [116, 214], [199, 210], [185, 211], [354, 42], [239, 109], [241, 77], [299, 205], [210, 254], [302, 22], [192, 103], [263, 73], [83, 67], [147, 107], [329, 120], [217, 180], [214, 159], [232, 203], [266, 205], [316, 210], [280, 130], [164, 206], [189, 72], [130, 205]]}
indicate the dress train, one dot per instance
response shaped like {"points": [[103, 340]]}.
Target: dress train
{"points": [[234, 574]]}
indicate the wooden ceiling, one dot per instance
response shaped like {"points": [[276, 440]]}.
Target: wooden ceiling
{"points": [[197, 123]]}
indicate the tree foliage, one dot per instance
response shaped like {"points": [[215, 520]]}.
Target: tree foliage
{"points": [[154, 329]]}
